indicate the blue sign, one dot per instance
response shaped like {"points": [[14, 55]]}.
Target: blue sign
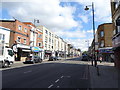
{"points": [[35, 49], [106, 51]]}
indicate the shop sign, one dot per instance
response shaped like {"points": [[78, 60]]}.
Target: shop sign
{"points": [[106, 51]]}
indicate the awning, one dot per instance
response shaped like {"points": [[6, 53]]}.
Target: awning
{"points": [[36, 49], [23, 46]]}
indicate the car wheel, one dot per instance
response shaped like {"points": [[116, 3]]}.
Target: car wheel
{"points": [[40, 60], [6, 64], [33, 62]]}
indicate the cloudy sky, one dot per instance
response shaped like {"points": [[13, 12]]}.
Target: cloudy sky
{"points": [[67, 18]]}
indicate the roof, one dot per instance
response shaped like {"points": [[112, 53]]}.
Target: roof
{"points": [[7, 20]]}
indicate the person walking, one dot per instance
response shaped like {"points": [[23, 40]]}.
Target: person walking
{"points": [[14, 47]]}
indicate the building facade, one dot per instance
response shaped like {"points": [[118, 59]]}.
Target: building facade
{"points": [[21, 34], [105, 34], [115, 8]]}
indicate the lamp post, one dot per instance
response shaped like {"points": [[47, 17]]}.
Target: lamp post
{"points": [[86, 8], [34, 31]]}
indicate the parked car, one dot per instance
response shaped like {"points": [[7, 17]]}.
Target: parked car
{"points": [[84, 58], [52, 58], [33, 59]]}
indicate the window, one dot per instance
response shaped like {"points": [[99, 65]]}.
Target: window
{"points": [[50, 34], [24, 41], [49, 40], [114, 32], [40, 44], [39, 36], [117, 3], [118, 25], [46, 39], [25, 29], [46, 45], [49, 46], [102, 34], [102, 43], [2, 37], [2, 44], [52, 41], [19, 27], [46, 31], [19, 39]]}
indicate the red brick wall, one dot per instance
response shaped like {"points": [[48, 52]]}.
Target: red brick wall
{"points": [[39, 40], [13, 25], [23, 32]]}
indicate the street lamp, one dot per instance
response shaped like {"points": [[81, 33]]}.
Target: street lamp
{"points": [[86, 8]]}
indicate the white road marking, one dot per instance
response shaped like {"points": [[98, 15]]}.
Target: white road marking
{"points": [[61, 77], [27, 72], [56, 80], [50, 86]]}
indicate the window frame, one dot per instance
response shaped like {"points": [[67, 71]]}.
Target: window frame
{"points": [[20, 27], [25, 30], [24, 42]]}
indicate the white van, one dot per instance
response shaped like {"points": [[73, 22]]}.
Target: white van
{"points": [[6, 57]]}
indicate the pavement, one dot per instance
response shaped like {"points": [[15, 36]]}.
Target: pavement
{"points": [[105, 75]]}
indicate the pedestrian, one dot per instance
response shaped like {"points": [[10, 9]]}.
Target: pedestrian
{"points": [[100, 59]]}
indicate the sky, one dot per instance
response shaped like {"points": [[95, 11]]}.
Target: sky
{"points": [[66, 18]]}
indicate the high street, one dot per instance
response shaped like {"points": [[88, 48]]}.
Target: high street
{"points": [[69, 73]]}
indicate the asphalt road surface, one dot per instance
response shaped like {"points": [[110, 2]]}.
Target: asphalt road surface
{"points": [[70, 73]]}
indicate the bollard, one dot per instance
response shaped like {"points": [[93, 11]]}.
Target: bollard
{"points": [[98, 73]]}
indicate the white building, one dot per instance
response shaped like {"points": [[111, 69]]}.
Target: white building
{"points": [[48, 42], [5, 35]]}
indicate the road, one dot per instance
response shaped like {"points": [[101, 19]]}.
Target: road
{"points": [[71, 73]]}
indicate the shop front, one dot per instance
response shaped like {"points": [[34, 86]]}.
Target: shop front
{"points": [[105, 54], [116, 49], [47, 54], [23, 52], [37, 52]]}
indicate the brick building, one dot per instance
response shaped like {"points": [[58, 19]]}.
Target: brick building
{"points": [[105, 34], [20, 32]]}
